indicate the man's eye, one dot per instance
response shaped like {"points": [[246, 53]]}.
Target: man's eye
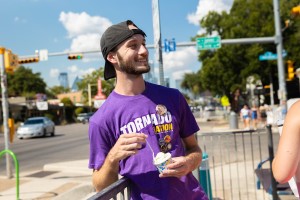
{"points": [[133, 46]]}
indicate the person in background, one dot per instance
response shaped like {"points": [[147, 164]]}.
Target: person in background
{"points": [[254, 116], [286, 162], [245, 116], [137, 117]]}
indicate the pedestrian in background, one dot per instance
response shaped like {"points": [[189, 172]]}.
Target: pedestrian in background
{"points": [[245, 116], [286, 162], [254, 116], [137, 117]]}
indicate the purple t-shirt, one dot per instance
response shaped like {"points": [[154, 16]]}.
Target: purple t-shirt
{"points": [[121, 114]]}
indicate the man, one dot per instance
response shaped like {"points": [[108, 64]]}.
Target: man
{"points": [[137, 117]]}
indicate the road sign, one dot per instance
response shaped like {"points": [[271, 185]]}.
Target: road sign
{"points": [[270, 56], [205, 43], [43, 55], [170, 45]]}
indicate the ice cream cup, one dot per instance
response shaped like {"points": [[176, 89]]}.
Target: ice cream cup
{"points": [[162, 160]]}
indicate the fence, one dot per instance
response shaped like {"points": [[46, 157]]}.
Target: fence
{"points": [[233, 157]]}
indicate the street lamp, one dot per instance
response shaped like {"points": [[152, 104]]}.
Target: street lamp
{"points": [[297, 72]]}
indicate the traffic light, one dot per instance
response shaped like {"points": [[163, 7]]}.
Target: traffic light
{"points": [[296, 10], [28, 60], [290, 70], [10, 61], [75, 56]]}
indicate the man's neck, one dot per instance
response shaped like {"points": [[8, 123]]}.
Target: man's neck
{"points": [[130, 87]]}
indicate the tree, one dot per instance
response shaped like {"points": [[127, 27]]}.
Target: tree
{"points": [[23, 82], [226, 68], [107, 86], [55, 90]]}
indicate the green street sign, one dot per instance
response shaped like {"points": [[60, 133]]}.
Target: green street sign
{"points": [[205, 43]]}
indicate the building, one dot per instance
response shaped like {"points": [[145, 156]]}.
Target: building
{"points": [[74, 86], [63, 79]]}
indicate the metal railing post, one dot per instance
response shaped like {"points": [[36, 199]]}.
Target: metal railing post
{"points": [[16, 168], [271, 156]]}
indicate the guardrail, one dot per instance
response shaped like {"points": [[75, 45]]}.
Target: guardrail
{"points": [[119, 189], [16, 168]]}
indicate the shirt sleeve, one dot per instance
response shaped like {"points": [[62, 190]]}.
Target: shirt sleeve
{"points": [[188, 124], [100, 145]]}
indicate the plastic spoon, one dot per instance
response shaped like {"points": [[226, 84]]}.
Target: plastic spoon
{"points": [[151, 149]]}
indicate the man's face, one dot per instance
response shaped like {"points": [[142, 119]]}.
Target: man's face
{"points": [[132, 55]]}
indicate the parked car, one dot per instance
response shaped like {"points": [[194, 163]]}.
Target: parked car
{"points": [[36, 127], [84, 117]]}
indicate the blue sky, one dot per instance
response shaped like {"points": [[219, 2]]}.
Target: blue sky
{"points": [[77, 25]]}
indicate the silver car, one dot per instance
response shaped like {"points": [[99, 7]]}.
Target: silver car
{"points": [[35, 127]]}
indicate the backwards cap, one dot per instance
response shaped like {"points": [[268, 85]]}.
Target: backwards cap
{"points": [[111, 38]]}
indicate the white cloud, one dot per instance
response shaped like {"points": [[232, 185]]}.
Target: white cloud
{"points": [[181, 61], [54, 73], [204, 6], [85, 42], [84, 30], [81, 23], [73, 68]]}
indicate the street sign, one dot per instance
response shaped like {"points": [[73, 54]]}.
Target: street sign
{"points": [[43, 55], [170, 45], [205, 43], [270, 56]]}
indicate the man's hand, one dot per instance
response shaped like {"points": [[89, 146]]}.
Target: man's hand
{"points": [[127, 145], [177, 168]]}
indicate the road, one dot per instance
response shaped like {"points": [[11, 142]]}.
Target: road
{"points": [[69, 143]]}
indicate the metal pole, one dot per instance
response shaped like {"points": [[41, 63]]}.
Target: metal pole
{"points": [[157, 40], [271, 157], [5, 110], [282, 94], [89, 95]]}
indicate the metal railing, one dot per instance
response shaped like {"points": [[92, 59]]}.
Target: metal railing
{"points": [[233, 159], [16, 168], [117, 190]]}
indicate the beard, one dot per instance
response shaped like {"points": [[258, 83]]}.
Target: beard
{"points": [[130, 67]]}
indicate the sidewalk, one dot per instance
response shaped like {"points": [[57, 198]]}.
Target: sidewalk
{"points": [[57, 181]]}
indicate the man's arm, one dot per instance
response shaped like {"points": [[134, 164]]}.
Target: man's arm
{"points": [[185, 164], [126, 145]]}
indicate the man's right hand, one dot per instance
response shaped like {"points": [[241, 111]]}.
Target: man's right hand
{"points": [[128, 144]]}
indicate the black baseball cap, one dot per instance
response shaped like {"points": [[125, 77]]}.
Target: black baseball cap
{"points": [[111, 38]]}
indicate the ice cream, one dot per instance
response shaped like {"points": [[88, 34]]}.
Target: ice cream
{"points": [[161, 160]]}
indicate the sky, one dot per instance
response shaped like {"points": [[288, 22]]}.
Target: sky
{"points": [[29, 26]]}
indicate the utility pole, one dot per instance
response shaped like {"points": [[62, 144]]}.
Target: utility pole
{"points": [[5, 110], [282, 94], [157, 40]]}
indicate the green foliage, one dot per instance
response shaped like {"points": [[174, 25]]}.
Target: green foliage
{"points": [[55, 90], [67, 102], [23, 82], [78, 111], [92, 79], [225, 69]]}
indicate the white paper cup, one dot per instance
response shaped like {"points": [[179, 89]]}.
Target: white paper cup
{"points": [[161, 165]]}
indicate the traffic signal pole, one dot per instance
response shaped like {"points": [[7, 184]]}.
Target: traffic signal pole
{"points": [[5, 110]]}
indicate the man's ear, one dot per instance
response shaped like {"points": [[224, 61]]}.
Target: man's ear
{"points": [[111, 57]]}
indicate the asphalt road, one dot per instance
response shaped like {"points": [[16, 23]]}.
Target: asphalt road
{"points": [[69, 143]]}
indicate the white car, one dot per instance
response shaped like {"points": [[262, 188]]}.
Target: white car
{"points": [[84, 117], [36, 127]]}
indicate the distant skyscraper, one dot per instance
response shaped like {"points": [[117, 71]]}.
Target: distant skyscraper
{"points": [[150, 76], [74, 85], [63, 79]]}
